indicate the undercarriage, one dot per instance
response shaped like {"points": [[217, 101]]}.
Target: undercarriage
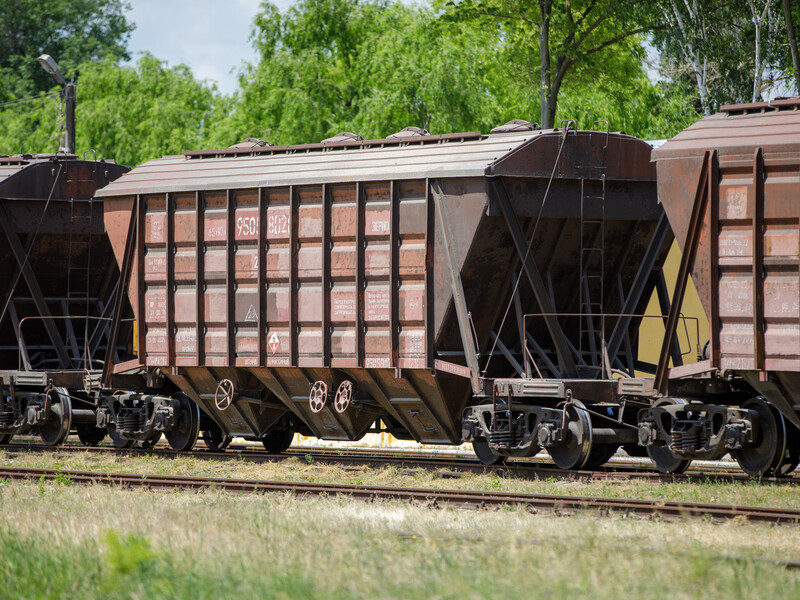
{"points": [[580, 433]]}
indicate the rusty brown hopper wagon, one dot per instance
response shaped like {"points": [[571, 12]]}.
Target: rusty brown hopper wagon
{"points": [[331, 287], [730, 185], [56, 293]]}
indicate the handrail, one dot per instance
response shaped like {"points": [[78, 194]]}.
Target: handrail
{"points": [[79, 318], [604, 358]]}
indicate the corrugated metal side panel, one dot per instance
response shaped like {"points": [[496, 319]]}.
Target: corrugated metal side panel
{"points": [[747, 269], [183, 221], [155, 283], [759, 254], [379, 208], [346, 274], [280, 275], [309, 276], [412, 221], [309, 301]]}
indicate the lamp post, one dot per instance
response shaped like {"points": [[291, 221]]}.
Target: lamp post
{"points": [[68, 93]]}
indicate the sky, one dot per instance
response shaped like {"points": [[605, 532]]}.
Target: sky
{"points": [[210, 36]]}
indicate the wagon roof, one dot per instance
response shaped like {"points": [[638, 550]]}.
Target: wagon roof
{"points": [[12, 164], [739, 128], [433, 156]]}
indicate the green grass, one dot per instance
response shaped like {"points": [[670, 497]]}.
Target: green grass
{"points": [[68, 541], [127, 566]]}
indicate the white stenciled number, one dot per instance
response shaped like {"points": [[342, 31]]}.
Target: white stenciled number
{"points": [[277, 224], [246, 226]]}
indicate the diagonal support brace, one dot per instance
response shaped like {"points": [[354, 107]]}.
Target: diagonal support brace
{"points": [[470, 352], [687, 262], [565, 362], [121, 294], [35, 290]]}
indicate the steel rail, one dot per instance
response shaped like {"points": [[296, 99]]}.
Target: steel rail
{"points": [[456, 466], [433, 497], [532, 469]]}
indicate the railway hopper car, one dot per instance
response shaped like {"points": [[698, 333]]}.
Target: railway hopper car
{"points": [[57, 290], [730, 186], [444, 288]]}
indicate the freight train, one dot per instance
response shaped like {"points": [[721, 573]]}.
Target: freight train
{"points": [[483, 288]]}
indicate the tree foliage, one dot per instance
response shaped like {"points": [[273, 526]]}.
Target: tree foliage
{"points": [[729, 52], [559, 39], [126, 113], [72, 31], [132, 114], [367, 66], [373, 67], [791, 54]]}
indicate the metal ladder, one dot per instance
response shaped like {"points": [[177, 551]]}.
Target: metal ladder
{"points": [[591, 272], [78, 281]]}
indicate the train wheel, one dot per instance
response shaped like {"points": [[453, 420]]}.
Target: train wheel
{"points": [[151, 441], [215, 439], [574, 451], [89, 435], [6, 438], [792, 456], [184, 435], [766, 455], [117, 439], [278, 440], [485, 454], [666, 461], [55, 430], [600, 455]]}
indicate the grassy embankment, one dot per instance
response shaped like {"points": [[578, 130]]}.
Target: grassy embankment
{"points": [[62, 540]]}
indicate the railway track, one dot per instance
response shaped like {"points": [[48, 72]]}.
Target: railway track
{"points": [[454, 464], [431, 497]]}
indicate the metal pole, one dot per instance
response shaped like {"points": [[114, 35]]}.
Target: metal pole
{"points": [[69, 99]]}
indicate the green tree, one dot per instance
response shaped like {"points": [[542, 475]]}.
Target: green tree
{"points": [[417, 70], [731, 52], [565, 38], [372, 67], [791, 16], [72, 31], [31, 127], [126, 113], [304, 86], [129, 114], [325, 66], [133, 114]]}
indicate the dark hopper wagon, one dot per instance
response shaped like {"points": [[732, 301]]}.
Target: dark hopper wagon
{"points": [[57, 289]]}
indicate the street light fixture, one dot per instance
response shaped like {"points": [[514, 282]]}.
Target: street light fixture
{"points": [[51, 66], [68, 93]]}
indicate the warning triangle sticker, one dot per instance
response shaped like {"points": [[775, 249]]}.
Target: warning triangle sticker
{"points": [[273, 342], [251, 314]]}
